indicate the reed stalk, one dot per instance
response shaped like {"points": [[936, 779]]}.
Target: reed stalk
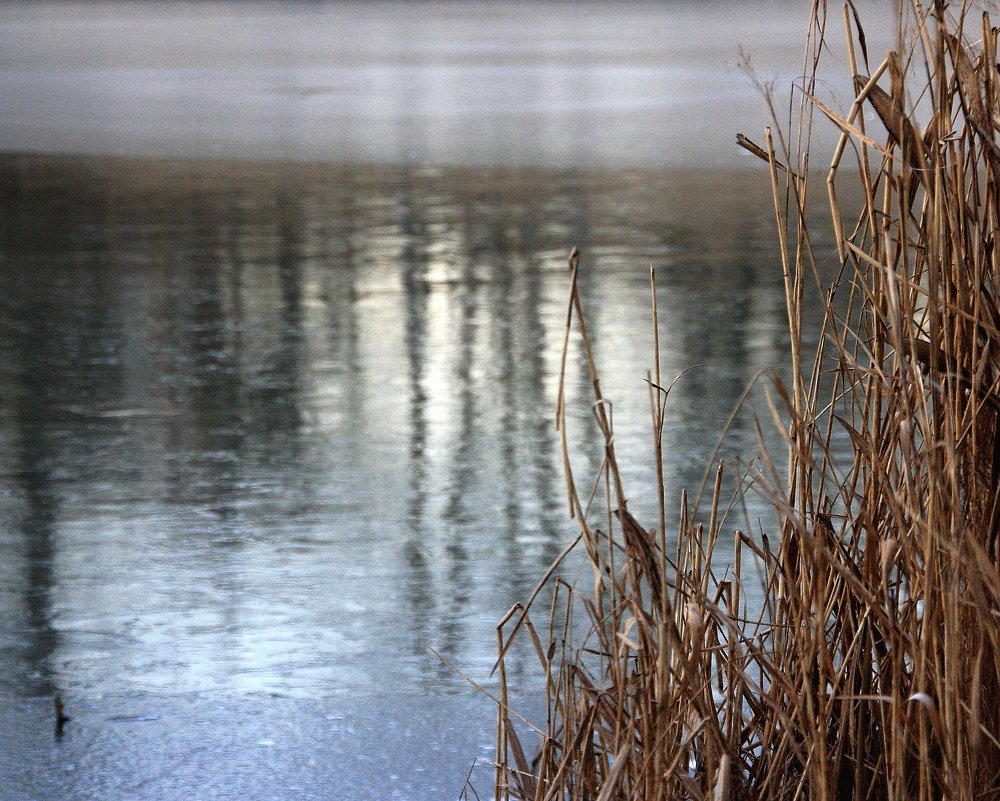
{"points": [[865, 663]]}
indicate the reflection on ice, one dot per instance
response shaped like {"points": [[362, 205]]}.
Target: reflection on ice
{"points": [[280, 428]]}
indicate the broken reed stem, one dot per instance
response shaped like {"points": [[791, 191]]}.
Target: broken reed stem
{"points": [[866, 664]]}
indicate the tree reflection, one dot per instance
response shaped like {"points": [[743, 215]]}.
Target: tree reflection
{"points": [[304, 412]]}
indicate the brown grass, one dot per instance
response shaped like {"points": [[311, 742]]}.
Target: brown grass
{"points": [[870, 669]]}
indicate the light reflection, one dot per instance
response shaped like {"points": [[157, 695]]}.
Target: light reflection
{"points": [[281, 428]]}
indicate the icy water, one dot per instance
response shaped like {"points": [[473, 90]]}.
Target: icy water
{"points": [[271, 429], [272, 432], [544, 83]]}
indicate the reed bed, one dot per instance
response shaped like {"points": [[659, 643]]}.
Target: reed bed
{"points": [[868, 665]]}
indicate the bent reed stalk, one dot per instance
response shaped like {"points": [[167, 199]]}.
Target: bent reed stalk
{"points": [[871, 669]]}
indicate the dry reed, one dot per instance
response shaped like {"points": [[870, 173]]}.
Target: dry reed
{"points": [[870, 670]]}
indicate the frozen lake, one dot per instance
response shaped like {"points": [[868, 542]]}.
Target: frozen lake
{"points": [[282, 291], [548, 84]]}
